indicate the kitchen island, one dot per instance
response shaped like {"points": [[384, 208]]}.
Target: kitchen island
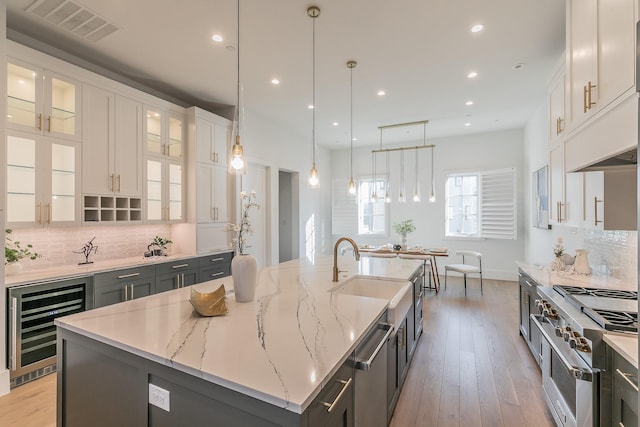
{"points": [[264, 363]]}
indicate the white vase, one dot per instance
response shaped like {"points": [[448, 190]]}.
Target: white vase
{"points": [[581, 264], [244, 270], [13, 268]]}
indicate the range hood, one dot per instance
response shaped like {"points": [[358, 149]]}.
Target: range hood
{"points": [[628, 158]]}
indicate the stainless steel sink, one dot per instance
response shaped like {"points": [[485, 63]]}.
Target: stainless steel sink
{"points": [[397, 292]]}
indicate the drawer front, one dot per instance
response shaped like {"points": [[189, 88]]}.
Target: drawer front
{"points": [[177, 266], [338, 392], [625, 395], [215, 259], [214, 273], [127, 275]]}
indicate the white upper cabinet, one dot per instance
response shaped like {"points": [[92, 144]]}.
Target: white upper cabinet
{"points": [[42, 101], [600, 54], [556, 106], [611, 199], [127, 164], [42, 181], [212, 142], [164, 133]]}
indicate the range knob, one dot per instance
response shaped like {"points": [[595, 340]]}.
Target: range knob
{"points": [[559, 331], [550, 313], [580, 344], [540, 303]]}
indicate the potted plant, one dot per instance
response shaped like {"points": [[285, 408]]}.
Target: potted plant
{"points": [[403, 228], [14, 252], [159, 246]]}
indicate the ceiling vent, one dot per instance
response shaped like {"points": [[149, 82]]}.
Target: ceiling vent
{"points": [[74, 18]]}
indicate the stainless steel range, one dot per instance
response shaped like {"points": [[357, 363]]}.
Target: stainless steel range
{"points": [[572, 323]]}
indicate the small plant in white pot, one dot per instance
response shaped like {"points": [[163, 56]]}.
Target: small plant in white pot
{"points": [[14, 251], [403, 228]]}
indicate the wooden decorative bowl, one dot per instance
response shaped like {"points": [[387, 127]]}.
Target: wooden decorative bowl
{"points": [[209, 303]]}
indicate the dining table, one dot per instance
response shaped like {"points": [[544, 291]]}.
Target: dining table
{"points": [[428, 254]]}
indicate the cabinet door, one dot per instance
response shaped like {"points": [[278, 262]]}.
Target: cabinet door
{"points": [[205, 211], [155, 176], [108, 294], [573, 212], [174, 191], [524, 312], [98, 141], [128, 147], [212, 237], [141, 288], [222, 137], [403, 352], [24, 96], [616, 49], [167, 282], [220, 193], [594, 199], [154, 131], [62, 103], [176, 132], [393, 379], [556, 107], [205, 141], [556, 184], [42, 180], [581, 55]]}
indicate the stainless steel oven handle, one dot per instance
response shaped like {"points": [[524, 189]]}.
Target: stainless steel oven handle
{"points": [[627, 378], [365, 365], [577, 373], [14, 332]]}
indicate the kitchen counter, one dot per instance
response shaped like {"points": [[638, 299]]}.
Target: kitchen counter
{"points": [[281, 348], [543, 275], [72, 271], [625, 345]]}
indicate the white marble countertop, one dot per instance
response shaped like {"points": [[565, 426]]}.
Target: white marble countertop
{"points": [[71, 271], [625, 345], [281, 348], [545, 277]]}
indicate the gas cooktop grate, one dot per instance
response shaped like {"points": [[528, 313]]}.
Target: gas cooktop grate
{"points": [[614, 320], [607, 293]]}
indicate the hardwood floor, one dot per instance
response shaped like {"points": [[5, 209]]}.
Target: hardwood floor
{"points": [[471, 368]]}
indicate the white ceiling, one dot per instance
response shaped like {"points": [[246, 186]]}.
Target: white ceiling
{"points": [[418, 51]]}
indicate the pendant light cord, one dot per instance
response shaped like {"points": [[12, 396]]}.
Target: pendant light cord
{"points": [[313, 78], [351, 122], [238, 65]]}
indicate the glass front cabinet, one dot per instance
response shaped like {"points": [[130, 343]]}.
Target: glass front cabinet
{"points": [[42, 101], [164, 145], [42, 181]]}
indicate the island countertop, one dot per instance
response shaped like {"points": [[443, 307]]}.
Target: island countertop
{"points": [[280, 348]]}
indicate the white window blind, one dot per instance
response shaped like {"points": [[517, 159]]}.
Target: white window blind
{"points": [[344, 209], [499, 204]]}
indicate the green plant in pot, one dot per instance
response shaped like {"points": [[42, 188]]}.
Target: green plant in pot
{"points": [[403, 228], [159, 245], [14, 251]]}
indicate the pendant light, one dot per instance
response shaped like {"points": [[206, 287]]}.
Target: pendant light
{"points": [[352, 185], [237, 164], [432, 195], [374, 195], [402, 197], [416, 192], [314, 179], [387, 195]]}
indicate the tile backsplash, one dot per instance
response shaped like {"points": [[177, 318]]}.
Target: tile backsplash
{"points": [[57, 244], [613, 253]]}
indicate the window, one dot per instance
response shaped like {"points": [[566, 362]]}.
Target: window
{"points": [[372, 218], [358, 214], [482, 204]]}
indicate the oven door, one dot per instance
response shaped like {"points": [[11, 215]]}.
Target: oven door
{"points": [[570, 386]]}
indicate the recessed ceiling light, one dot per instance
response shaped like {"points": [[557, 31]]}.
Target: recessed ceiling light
{"points": [[518, 66], [355, 139], [472, 74], [217, 38], [310, 107], [381, 93], [477, 28], [275, 81], [468, 103], [467, 124], [335, 123]]}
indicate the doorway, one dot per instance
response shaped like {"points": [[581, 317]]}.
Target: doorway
{"points": [[288, 216], [257, 179]]}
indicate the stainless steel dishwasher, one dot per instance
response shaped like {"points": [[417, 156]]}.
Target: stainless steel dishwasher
{"points": [[371, 376]]}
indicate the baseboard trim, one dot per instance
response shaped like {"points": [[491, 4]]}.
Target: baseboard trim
{"points": [[4, 382]]}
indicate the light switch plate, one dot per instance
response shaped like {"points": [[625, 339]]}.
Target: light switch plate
{"points": [[159, 397]]}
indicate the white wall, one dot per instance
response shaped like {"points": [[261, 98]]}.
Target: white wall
{"points": [[274, 146], [485, 151], [4, 373]]}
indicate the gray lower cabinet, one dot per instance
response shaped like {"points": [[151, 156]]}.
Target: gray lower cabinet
{"points": [[102, 386], [112, 287], [414, 318], [177, 274], [624, 391], [397, 364], [528, 295], [215, 266]]}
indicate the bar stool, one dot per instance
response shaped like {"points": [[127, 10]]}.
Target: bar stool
{"points": [[433, 284]]}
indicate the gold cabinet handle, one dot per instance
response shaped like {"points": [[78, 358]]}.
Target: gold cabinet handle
{"points": [[595, 211], [48, 213], [584, 99], [49, 124], [40, 121], [118, 183], [39, 207], [589, 102], [560, 125], [111, 184]]}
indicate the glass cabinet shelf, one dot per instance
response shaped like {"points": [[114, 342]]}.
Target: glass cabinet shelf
{"points": [[20, 104]]}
